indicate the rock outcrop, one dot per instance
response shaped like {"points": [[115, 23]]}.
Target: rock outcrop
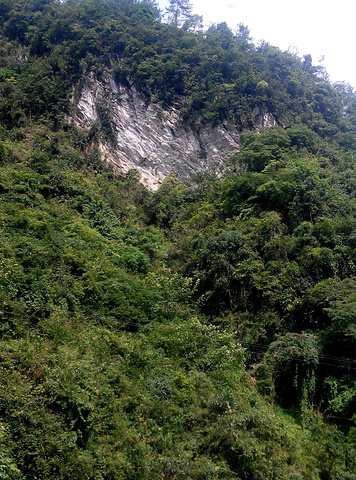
{"points": [[150, 138]]}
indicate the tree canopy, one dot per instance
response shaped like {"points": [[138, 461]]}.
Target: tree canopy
{"points": [[198, 332]]}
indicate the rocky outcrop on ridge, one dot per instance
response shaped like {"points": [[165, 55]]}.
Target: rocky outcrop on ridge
{"points": [[150, 138]]}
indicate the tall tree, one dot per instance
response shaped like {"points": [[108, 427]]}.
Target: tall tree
{"points": [[178, 11], [193, 24]]}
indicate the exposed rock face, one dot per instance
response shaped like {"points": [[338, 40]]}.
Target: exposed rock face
{"points": [[264, 119], [150, 138]]}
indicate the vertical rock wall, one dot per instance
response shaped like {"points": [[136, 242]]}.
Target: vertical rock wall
{"points": [[150, 138]]}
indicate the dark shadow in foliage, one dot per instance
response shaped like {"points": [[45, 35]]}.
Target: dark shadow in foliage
{"points": [[216, 271]]}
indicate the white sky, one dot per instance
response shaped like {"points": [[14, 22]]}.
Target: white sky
{"points": [[319, 27]]}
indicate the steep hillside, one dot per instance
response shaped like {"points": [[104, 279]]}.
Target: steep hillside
{"points": [[203, 331], [114, 67], [150, 138]]}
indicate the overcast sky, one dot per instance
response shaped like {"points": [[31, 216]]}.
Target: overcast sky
{"points": [[319, 27]]}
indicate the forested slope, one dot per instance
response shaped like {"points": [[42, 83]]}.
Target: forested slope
{"points": [[202, 332]]}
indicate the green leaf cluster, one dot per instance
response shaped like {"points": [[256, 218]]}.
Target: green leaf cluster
{"points": [[203, 332]]}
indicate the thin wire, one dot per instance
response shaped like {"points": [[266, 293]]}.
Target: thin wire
{"points": [[249, 344], [71, 314], [320, 363], [323, 414], [327, 357], [257, 345]]}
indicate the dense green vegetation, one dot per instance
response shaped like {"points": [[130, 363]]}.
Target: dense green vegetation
{"points": [[195, 333], [46, 48]]}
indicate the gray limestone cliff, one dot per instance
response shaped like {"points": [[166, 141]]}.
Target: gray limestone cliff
{"points": [[149, 138]]}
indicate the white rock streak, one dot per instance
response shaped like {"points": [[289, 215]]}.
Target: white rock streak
{"points": [[150, 138]]}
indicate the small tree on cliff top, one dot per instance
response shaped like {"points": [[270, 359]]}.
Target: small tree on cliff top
{"points": [[178, 11]]}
